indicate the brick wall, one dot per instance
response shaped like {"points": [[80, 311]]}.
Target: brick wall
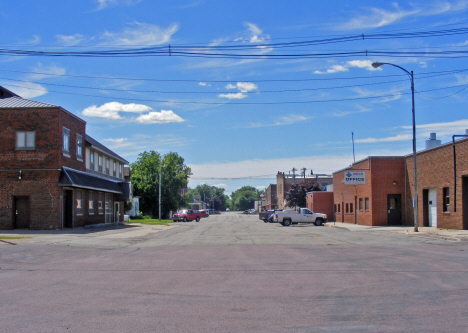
{"points": [[321, 202], [76, 126], [435, 171], [45, 123], [381, 172], [44, 198]]}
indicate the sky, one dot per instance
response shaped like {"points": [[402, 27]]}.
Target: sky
{"points": [[244, 89]]}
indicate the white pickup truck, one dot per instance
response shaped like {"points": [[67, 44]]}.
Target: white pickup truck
{"points": [[304, 215]]}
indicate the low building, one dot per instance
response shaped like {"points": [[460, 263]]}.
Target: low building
{"points": [[284, 182], [271, 200], [372, 192], [321, 202], [52, 174], [442, 184]]}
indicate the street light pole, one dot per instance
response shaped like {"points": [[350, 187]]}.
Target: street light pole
{"points": [[415, 197]]}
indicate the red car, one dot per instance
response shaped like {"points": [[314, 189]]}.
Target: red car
{"points": [[186, 215]]}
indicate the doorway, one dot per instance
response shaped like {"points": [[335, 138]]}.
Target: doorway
{"points": [[68, 209], [465, 202], [21, 212], [393, 209], [432, 207], [117, 212]]}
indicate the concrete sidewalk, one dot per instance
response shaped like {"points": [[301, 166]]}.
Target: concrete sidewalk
{"points": [[448, 234]]}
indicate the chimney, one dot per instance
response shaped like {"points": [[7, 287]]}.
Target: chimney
{"points": [[432, 142]]}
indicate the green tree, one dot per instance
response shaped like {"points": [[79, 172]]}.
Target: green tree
{"points": [[145, 181], [212, 195], [244, 198], [296, 196]]}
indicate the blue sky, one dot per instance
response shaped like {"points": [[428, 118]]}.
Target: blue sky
{"points": [[272, 105]]}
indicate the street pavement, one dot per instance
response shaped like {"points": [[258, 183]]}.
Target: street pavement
{"points": [[234, 273]]}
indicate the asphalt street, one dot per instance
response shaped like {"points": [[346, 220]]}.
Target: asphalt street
{"points": [[232, 273]]}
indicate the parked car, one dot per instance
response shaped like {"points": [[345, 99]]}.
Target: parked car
{"points": [[265, 215], [186, 215], [304, 215], [204, 213]]}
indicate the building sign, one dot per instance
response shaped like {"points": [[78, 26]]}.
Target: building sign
{"points": [[355, 178]]}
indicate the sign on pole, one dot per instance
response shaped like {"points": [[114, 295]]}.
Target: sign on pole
{"points": [[355, 178]]}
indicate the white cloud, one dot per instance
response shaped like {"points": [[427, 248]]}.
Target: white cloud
{"points": [[366, 64], [50, 69], [282, 121], [378, 17], [422, 64], [36, 40], [108, 3], [140, 34], [111, 110], [69, 40], [230, 86], [233, 96], [27, 89], [442, 129], [162, 117], [399, 137], [204, 84], [254, 29], [246, 86], [333, 69]]}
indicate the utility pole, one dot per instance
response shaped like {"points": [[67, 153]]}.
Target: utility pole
{"points": [[294, 175], [160, 163], [304, 172], [352, 138]]}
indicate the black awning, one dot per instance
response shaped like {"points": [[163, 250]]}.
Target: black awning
{"points": [[80, 179]]}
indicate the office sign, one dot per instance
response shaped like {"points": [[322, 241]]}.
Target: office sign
{"points": [[355, 178]]}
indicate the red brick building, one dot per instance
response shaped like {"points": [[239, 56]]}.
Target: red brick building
{"points": [[321, 202], [52, 174], [270, 197], [442, 201], [372, 192]]}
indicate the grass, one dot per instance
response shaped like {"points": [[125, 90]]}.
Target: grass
{"points": [[12, 237], [151, 222]]}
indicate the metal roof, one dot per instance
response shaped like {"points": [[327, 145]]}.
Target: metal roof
{"points": [[104, 149], [9, 99], [18, 102], [80, 179]]}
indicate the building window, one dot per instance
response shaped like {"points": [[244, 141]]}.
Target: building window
{"points": [[338, 208], [79, 202], [121, 171], [107, 166], [446, 199], [91, 160], [334, 207], [367, 203], [347, 208], [351, 208], [114, 172], [66, 141], [100, 203], [360, 204], [100, 163], [79, 147], [91, 203], [25, 140]]}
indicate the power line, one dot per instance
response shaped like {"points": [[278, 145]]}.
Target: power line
{"points": [[233, 80]]}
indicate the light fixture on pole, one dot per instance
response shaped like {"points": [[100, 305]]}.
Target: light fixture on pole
{"points": [[415, 197]]}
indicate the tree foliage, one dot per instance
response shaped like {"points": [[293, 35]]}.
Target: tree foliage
{"points": [[145, 181], [244, 198], [296, 196], [213, 196]]}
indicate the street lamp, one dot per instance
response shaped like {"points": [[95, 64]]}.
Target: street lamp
{"points": [[415, 198]]}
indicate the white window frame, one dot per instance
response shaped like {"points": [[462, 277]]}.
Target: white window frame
{"points": [[24, 136], [79, 147], [79, 202], [66, 141]]}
